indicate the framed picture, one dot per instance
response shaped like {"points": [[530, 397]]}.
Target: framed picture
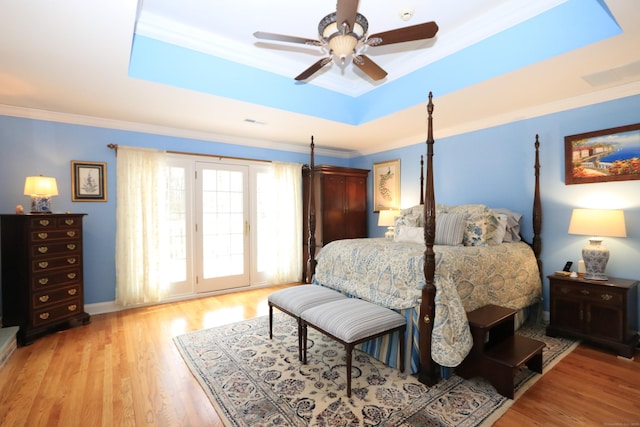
{"points": [[386, 185], [88, 181], [604, 155]]}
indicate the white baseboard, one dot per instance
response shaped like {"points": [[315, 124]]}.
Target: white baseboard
{"points": [[111, 306]]}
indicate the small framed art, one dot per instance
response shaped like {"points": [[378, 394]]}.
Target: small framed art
{"points": [[604, 155], [88, 181], [386, 185]]}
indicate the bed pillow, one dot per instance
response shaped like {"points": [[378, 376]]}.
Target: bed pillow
{"points": [[406, 233], [501, 230], [512, 233], [449, 231], [480, 226]]}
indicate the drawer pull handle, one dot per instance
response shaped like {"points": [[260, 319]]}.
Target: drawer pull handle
{"points": [[44, 298], [71, 233], [69, 221], [71, 246], [44, 222], [564, 290], [43, 281], [43, 249], [71, 275], [606, 297], [44, 316], [71, 260], [72, 291], [43, 235], [72, 307], [43, 264], [584, 292]]}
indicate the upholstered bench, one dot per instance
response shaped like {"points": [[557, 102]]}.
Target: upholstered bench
{"points": [[295, 300], [352, 321]]}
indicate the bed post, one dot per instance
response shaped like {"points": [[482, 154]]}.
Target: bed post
{"points": [[428, 368], [311, 260], [421, 179], [537, 211]]}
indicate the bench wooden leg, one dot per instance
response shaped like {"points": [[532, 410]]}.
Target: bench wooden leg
{"points": [[349, 349], [270, 321]]}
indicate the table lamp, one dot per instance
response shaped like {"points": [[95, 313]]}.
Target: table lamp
{"points": [[597, 223], [387, 219], [40, 188]]}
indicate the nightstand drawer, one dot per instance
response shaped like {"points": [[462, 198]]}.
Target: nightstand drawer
{"points": [[589, 293]]}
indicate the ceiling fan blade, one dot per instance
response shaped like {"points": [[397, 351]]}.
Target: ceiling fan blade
{"points": [[313, 69], [405, 34], [284, 38], [346, 11], [369, 67]]}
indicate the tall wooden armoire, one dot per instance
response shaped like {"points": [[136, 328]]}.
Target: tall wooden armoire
{"points": [[340, 196]]}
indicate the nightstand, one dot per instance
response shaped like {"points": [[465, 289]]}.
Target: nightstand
{"points": [[604, 312]]}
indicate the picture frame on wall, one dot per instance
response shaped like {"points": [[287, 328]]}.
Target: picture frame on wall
{"points": [[604, 155], [386, 185], [88, 181]]}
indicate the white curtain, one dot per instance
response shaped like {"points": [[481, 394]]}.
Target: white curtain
{"points": [[141, 228], [287, 223]]}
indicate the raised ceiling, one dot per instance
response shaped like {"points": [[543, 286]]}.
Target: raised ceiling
{"points": [[192, 68]]}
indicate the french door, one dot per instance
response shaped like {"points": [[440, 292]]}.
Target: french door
{"points": [[222, 226], [220, 231]]}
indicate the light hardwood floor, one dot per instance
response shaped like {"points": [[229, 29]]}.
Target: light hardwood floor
{"points": [[124, 370]]}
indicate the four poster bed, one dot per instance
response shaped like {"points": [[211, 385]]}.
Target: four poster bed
{"points": [[433, 276]]}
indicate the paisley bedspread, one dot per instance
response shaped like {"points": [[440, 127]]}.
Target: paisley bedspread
{"points": [[391, 274]]}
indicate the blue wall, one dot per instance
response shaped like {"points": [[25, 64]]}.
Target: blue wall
{"points": [[493, 166]]}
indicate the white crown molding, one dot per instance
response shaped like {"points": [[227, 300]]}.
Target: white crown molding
{"points": [[77, 119], [596, 97]]}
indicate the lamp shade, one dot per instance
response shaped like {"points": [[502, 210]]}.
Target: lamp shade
{"points": [[387, 217], [40, 189], [598, 222], [40, 186]]}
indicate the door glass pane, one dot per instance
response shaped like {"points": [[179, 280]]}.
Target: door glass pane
{"points": [[223, 223]]}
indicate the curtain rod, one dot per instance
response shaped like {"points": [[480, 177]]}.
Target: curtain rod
{"points": [[115, 147]]}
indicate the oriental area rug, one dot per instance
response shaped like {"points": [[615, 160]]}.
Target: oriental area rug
{"points": [[254, 381]]}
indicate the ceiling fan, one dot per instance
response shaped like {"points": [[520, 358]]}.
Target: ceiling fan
{"points": [[343, 33]]}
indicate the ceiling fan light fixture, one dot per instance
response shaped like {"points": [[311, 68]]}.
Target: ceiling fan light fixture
{"points": [[342, 45]]}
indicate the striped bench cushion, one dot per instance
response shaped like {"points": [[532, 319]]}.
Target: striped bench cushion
{"points": [[297, 299], [352, 319]]}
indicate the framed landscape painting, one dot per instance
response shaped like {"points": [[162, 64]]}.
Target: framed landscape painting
{"points": [[386, 185], [604, 155]]}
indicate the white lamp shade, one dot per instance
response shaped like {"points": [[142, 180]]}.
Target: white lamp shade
{"points": [[387, 217], [598, 222], [40, 186]]}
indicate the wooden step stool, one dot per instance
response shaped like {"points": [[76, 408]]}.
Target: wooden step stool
{"points": [[498, 353]]}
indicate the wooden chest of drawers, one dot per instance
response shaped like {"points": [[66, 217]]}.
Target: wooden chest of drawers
{"points": [[42, 273]]}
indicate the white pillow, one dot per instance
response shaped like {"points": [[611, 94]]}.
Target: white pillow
{"points": [[449, 231], [501, 230], [406, 233]]}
